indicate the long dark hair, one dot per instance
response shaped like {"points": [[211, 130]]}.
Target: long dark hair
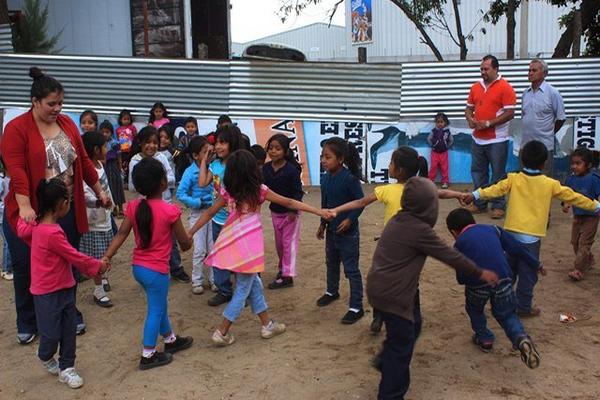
{"points": [[49, 194], [232, 135], [347, 151], [91, 141], [143, 136], [43, 84], [284, 142], [408, 160], [148, 176], [242, 180], [154, 107]]}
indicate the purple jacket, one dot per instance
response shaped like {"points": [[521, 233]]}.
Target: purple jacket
{"points": [[440, 140]]}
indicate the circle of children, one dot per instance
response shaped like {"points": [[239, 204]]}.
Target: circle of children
{"points": [[224, 186]]}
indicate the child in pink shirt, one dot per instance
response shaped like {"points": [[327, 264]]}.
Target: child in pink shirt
{"points": [[158, 115], [52, 281], [154, 221]]}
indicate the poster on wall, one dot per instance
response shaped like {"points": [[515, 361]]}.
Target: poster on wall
{"points": [[164, 21], [362, 21], [586, 132]]}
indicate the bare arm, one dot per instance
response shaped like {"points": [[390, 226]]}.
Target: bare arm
{"points": [[291, 203], [359, 203], [449, 194], [182, 237], [207, 216], [558, 124], [205, 176], [25, 210], [119, 238]]}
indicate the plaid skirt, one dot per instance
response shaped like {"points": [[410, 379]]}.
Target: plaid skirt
{"points": [[94, 243]]}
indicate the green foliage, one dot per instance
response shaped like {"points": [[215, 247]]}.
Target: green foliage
{"points": [[592, 35], [30, 32], [498, 9]]}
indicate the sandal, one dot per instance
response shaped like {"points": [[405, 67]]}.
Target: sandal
{"points": [[576, 275], [103, 301]]}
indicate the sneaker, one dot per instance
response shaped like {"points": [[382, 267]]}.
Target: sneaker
{"points": [[529, 354], [218, 299], [106, 285], [445, 186], [497, 213], [181, 276], [80, 329], [281, 283], [25, 338], [376, 324], [484, 345], [327, 299], [222, 340], [272, 329], [101, 298], [198, 289], [180, 343], [51, 366], [8, 276], [534, 312], [473, 209], [71, 378], [352, 317], [376, 361], [158, 358], [214, 288]]}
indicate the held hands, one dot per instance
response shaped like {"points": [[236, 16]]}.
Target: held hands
{"points": [[104, 265], [327, 215], [27, 214], [489, 277], [104, 200], [466, 198]]}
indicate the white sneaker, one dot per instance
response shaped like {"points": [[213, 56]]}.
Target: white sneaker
{"points": [[71, 378], [7, 276], [272, 329], [51, 366], [222, 340], [214, 288], [197, 289]]}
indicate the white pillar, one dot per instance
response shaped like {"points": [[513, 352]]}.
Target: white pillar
{"points": [[187, 28], [524, 30]]}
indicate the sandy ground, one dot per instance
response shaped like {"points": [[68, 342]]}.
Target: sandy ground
{"points": [[319, 358]]}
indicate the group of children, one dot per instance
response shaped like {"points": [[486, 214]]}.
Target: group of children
{"points": [[224, 187]]}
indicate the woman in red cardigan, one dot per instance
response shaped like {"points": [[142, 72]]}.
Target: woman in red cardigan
{"points": [[42, 144]]}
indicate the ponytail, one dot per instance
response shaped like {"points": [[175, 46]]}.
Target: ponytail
{"points": [[143, 219], [347, 151], [423, 167], [148, 176]]}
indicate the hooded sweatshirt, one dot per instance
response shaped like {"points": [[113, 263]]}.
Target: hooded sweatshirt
{"points": [[406, 241]]}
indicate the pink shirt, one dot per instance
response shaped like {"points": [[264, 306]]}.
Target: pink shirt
{"points": [[156, 255], [160, 122], [52, 256]]}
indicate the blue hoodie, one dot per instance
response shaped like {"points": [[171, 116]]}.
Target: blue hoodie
{"points": [[190, 193]]}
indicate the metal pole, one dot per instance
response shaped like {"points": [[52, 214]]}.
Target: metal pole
{"points": [[187, 28], [524, 30], [146, 44]]}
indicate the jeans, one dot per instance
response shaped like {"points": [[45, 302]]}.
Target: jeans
{"points": [[344, 248], [250, 287], [504, 310], [482, 157], [222, 277], [156, 286], [525, 276], [401, 335], [6, 263], [57, 325]]}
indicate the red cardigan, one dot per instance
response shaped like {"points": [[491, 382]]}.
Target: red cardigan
{"points": [[24, 154]]}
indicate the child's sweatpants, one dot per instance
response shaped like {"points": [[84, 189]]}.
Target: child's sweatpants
{"points": [[582, 239], [441, 160], [56, 318], [287, 236], [203, 242]]}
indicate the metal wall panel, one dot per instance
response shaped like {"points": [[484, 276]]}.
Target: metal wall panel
{"points": [[5, 39]]}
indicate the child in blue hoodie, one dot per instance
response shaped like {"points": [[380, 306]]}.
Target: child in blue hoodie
{"points": [[197, 199], [486, 246]]}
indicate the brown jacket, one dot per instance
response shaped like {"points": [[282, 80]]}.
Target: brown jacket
{"points": [[406, 241]]}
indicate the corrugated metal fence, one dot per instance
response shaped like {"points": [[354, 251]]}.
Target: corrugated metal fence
{"points": [[5, 39], [307, 91]]}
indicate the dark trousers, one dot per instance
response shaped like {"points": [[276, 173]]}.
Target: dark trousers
{"points": [[222, 276], [21, 265], [57, 325], [344, 249], [482, 158], [401, 335], [525, 276]]}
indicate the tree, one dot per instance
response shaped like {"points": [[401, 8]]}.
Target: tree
{"points": [[30, 31], [499, 9], [590, 25], [4, 12]]}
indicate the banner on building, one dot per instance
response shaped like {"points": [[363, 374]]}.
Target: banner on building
{"points": [[362, 21], [586, 133]]}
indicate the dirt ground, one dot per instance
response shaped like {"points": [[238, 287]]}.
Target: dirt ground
{"points": [[319, 358]]}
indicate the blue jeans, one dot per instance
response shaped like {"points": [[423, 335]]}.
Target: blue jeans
{"points": [[482, 157], [250, 287], [525, 276], [222, 276], [504, 310], [6, 263], [344, 248], [156, 286]]}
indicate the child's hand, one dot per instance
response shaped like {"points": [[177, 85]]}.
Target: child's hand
{"points": [[104, 266], [466, 198], [291, 216], [321, 232], [343, 226], [328, 215], [489, 277], [566, 208]]}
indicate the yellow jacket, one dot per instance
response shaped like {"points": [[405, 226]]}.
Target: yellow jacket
{"points": [[529, 201]]}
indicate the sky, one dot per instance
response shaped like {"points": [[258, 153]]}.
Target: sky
{"points": [[254, 19]]}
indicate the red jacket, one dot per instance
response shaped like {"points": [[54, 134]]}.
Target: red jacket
{"points": [[24, 155]]}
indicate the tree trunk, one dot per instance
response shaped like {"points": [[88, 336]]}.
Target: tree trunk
{"points": [[576, 47], [407, 11], [510, 29], [589, 10], [461, 38], [4, 12]]}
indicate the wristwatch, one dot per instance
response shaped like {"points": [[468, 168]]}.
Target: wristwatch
{"points": [[487, 124]]}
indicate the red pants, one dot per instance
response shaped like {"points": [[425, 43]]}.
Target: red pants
{"points": [[440, 159]]}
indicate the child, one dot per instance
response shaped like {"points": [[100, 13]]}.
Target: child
{"points": [[52, 281], [486, 246], [531, 194], [6, 272], [154, 222], [114, 168], [282, 176], [166, 135], [341, 184], [440, 139], [240, 248], [95, 242], [184, 160], [228, 139], [88, 121], [585, 223], [126, 135], [197, 199], [158, 115], [148, 142], [407, 239], [259, 153]]}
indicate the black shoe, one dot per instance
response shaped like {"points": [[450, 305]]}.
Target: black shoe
{"points": [[157, 359], [181, 276], [281, 283], [376, 362], [376, 324], [218, 299], [181, 343], [352, 317], [327, 299]]}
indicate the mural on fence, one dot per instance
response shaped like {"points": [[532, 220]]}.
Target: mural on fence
{"points": [[375, 142]]}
